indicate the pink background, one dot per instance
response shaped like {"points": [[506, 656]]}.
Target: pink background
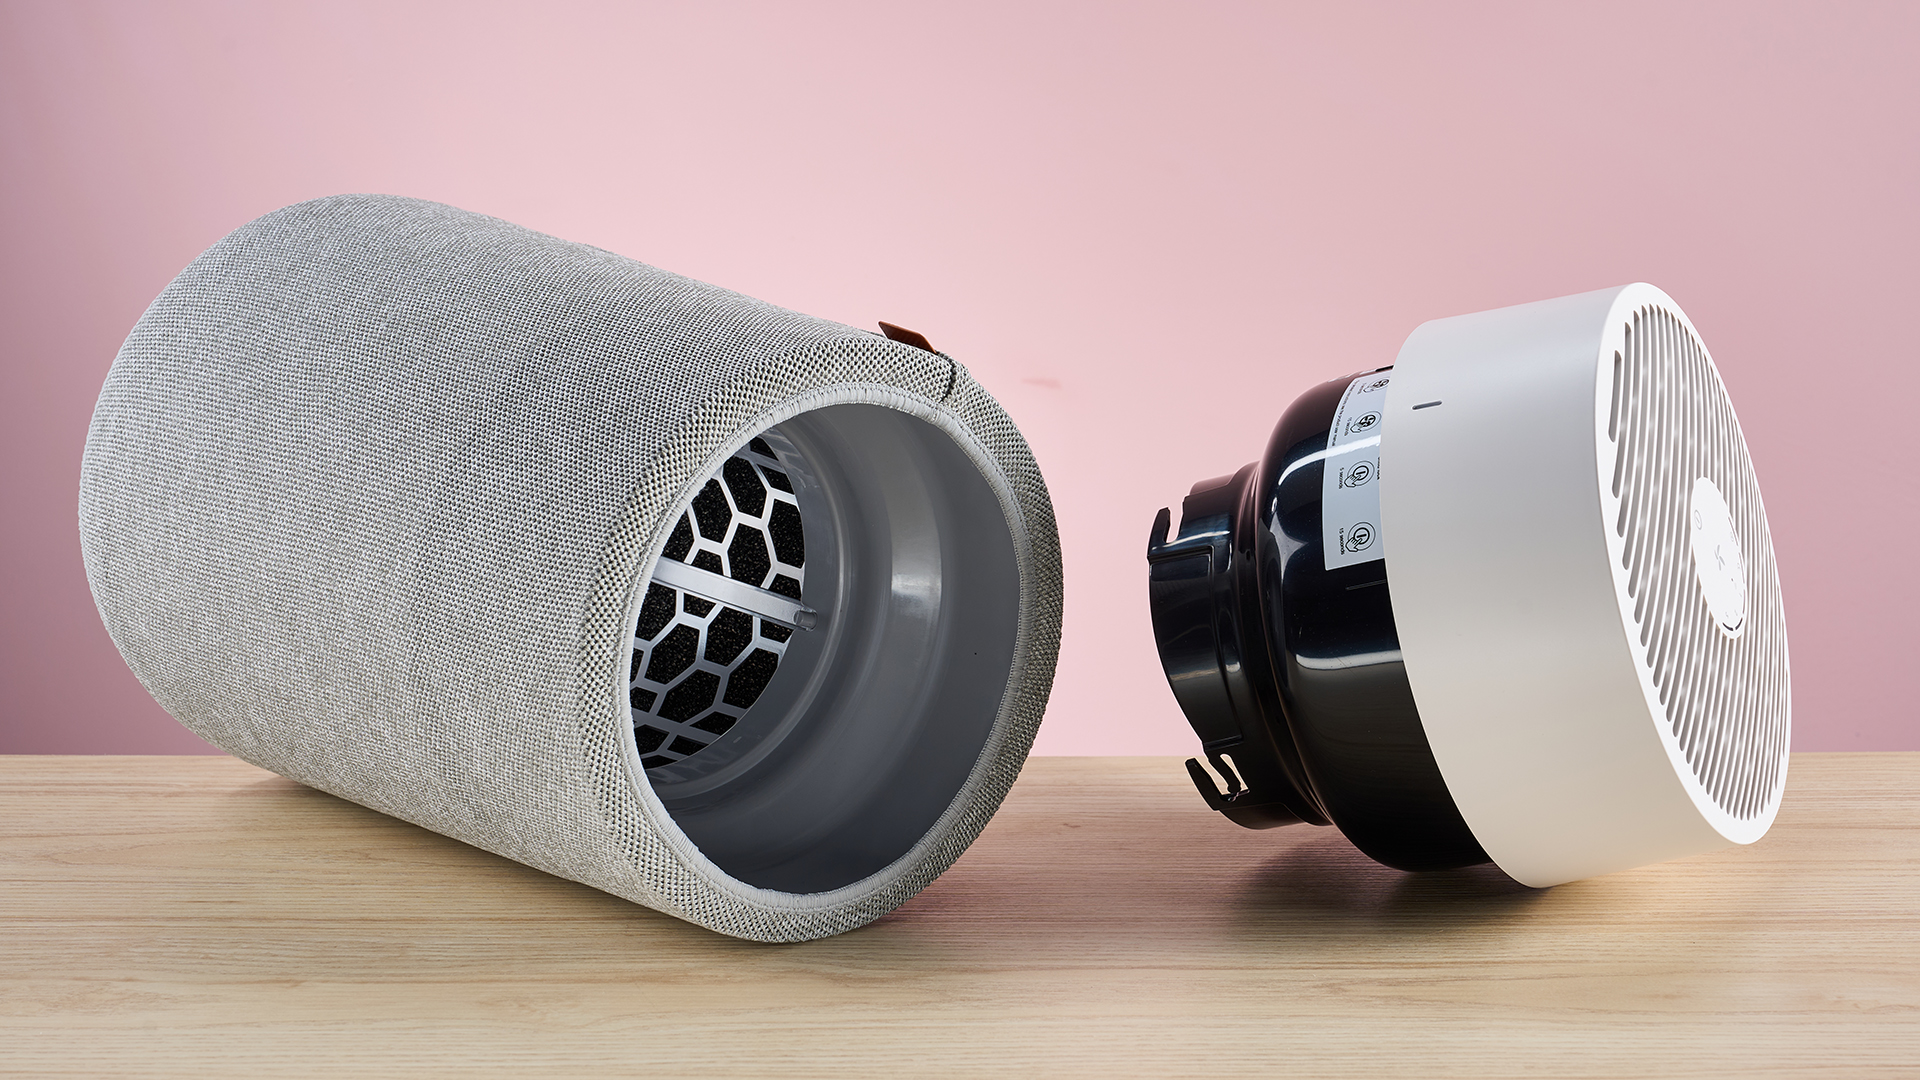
{"points": [[1145, 228]]}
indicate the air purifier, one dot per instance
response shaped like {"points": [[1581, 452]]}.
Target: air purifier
{"points": [[1510, 598], [737, 613]]}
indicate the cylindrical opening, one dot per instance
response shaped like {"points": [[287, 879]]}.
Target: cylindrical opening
{"points": [[821, 652]]}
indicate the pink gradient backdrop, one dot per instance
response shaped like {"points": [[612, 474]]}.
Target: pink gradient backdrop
{"points": [[1145, 228]]}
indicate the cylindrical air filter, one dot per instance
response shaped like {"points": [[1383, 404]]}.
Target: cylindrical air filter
{"points": [[740, 614], [1510, 598]]}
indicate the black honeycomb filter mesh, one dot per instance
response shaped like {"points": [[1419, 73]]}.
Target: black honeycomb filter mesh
{"points": [[699, 664]]}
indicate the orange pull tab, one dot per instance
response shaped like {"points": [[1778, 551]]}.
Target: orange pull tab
{"points": [[906, 337]]}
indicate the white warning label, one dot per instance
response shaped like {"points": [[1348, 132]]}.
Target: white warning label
{"points": [[1350, 493]]}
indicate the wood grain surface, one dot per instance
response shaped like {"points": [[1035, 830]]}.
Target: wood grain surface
{"points": [[199, 917]]}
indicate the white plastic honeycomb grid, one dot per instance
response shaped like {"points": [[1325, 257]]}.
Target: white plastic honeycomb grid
{"points": [[1726, 697], [699, 664]]}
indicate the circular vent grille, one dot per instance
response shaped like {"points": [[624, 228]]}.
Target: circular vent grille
{"points": [[1725, 693], [715, 623]]}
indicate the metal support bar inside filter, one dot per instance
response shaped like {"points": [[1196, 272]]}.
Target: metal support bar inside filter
{"points": [[737, 594]]}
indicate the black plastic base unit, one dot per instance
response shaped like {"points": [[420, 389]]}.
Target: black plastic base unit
{"points": [[1290, 672]]}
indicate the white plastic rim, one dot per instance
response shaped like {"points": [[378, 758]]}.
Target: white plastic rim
{"points": [[1597, 694]]}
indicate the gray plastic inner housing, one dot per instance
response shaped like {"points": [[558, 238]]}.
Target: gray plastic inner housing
{"points": [[877, 714]]}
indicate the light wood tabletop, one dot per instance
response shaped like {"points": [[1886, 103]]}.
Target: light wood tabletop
{"points": [[200, 917]]}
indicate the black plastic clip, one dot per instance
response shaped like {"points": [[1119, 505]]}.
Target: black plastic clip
{"points": [[1216, 799]]}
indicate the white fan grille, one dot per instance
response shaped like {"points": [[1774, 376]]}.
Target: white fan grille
{"points": [[1726, 697]]}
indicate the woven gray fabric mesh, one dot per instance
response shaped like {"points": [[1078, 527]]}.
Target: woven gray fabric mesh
{"points": [[371, 485]]}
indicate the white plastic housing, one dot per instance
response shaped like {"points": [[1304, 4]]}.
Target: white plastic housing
{"points": [[1597, 649]]}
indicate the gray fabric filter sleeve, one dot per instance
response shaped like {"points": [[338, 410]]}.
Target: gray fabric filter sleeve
{"points": [[370, 487]]}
